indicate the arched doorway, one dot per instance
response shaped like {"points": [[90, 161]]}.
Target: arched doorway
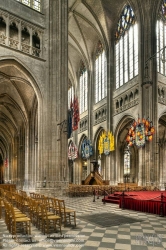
{"points": [[127, 159], [159, 174], [18, 124], [100, 158]]}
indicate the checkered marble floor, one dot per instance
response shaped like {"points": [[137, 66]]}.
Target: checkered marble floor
{"points": [[147, 233]]}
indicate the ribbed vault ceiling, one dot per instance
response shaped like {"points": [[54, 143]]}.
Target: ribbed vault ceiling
{"points": [[89, 22]]}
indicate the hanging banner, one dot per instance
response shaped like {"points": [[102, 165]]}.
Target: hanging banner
{"points": [[101, 144], [6, 162], [140, 132], [111, 138], [106, 143], [140, 135], [86, 149], [72, 151]]}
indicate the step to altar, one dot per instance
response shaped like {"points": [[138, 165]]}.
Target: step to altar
{"points": [[112, 198]]}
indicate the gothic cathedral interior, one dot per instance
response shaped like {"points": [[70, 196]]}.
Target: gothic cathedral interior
{"points": [[82, 92]]}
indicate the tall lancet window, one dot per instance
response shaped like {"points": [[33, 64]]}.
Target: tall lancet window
{"points": [[83, 81], [100, 73], [126, 161], [70, 94], [126, 47], [161, 38]]}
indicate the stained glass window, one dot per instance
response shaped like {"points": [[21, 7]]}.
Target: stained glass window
{"points": [[161, 39], [100, 74], [126, 47], [162, 10], [83, 89]]}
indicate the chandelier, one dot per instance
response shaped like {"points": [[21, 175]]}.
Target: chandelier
{"points": [[140, 132]]}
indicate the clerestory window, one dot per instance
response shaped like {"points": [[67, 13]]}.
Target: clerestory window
{"points": [[34, 4], [70, 94], [126, 47], [161, 39], [100, 73], [83, 82]]}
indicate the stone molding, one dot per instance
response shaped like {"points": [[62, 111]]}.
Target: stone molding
{"points": [[126, 100], [161, 94], [17, 43], [100, 115], [83, 124]]}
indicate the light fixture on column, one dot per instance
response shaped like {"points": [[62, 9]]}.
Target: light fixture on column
{"points": [[147, 81], [62, 127]]}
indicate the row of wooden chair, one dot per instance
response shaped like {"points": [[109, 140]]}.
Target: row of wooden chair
{"points": [[54, 206], [36, 195], [46, 213], [16, 221], [42, 218]]}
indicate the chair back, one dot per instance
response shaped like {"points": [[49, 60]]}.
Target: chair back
{"points": [[44, 211], [61, 205], [55, 206]]}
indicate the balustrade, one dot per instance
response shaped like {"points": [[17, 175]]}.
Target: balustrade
{"points": [[19, 35]]}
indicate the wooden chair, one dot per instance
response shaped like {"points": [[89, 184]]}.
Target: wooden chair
{"points": [[38, 215], [8, 214], [49, 221], [24, 204], [55, 206], [20, 220], [67, 214], [32, 210], [2, 207], [46, 201]]}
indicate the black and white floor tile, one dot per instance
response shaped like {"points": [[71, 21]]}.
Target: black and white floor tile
{"points": [[99, 227]]}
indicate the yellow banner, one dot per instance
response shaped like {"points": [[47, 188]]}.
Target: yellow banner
{"points": [[106, 137]]}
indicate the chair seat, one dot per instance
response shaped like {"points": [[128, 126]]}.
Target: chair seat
{"points": [[68, 210], [51, 217], [22, 219], [20, 215], [50, 213]]}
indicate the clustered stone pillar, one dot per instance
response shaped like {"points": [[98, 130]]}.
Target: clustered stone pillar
{"points": [[57, 167]]}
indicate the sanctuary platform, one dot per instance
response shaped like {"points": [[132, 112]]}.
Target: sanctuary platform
{"points": [[144, 201]]}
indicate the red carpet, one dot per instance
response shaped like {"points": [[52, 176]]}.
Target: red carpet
{"points": [[144, 201]]}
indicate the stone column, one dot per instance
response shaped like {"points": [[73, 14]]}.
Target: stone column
{"points": [[149, 93], [7, 30], [19, 35], [111, 163], [55, 152], [30, 44]]}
